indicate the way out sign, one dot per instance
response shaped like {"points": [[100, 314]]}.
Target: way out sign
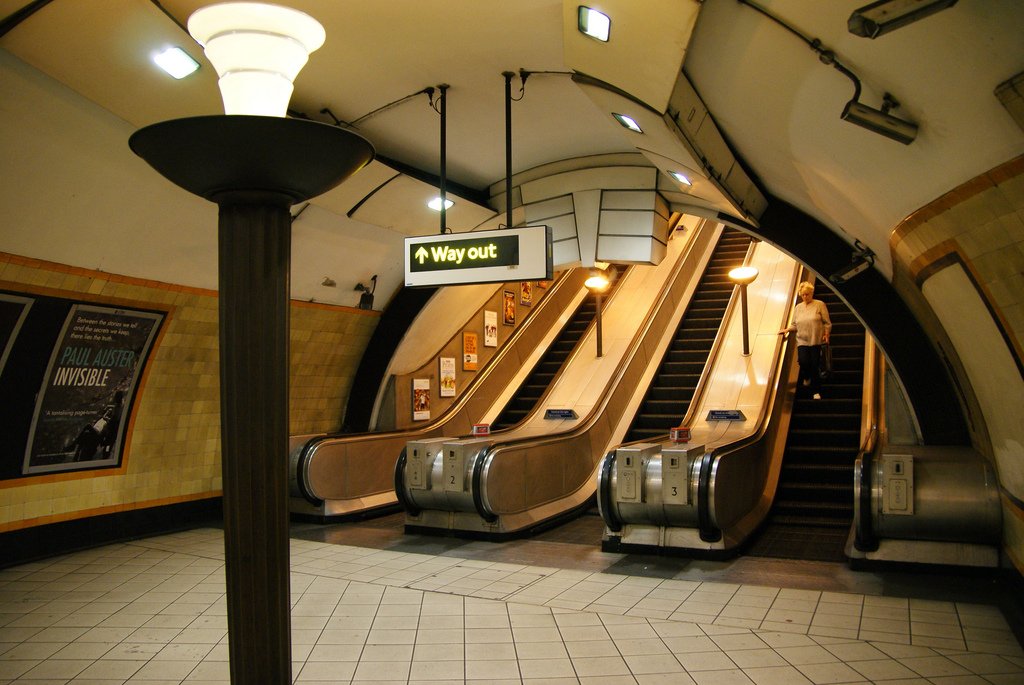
{"points": [[511, 254]]}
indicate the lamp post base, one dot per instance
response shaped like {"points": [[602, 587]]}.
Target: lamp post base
{"points": [[254, 168]]}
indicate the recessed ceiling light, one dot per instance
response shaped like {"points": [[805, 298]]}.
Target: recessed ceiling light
{"points": [[176, 62], [628, 122], [594, 24], [680, 176], [435, 204]]}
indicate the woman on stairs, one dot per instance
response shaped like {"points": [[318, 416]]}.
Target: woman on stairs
{"points": [[812, 326]]}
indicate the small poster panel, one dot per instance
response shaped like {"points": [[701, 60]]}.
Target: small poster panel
{"points": [[508, 308], [13, 310], [490, 329], [469, 351], [526, 293], [87, 392], [420, 399], [447, 376]]}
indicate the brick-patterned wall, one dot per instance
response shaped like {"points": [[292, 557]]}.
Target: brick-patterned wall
{"points": [[172, 444]]}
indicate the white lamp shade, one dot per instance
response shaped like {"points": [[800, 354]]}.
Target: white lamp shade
{"points": [[257, 50]]}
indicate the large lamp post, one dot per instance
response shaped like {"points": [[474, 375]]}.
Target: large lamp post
{"points": [[744, 276], [254, 164], [597, 283]]}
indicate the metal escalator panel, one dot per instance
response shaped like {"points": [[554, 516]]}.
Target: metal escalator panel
{"points": [[813, 508], [669, 396], [550, 365]]}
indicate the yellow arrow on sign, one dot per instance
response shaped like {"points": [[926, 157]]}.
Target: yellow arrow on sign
{"points": [[421, 254]]}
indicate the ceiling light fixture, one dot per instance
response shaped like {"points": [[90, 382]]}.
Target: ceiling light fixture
{"points": [[879, 18], [594, 24], [257, 50], [176, 62], [435, 204], [627, 122], [681, 177]]}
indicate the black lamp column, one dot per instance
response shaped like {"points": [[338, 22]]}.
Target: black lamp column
{"points": [[254, 168]]}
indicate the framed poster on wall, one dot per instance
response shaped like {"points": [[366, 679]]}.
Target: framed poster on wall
{"points": [[13, 310], [420, 399], [508, 308], [490, 329], [526, 293], [447, 375], [85, 399], [469, 351]]}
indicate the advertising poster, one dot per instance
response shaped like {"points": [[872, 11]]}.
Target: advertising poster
{"points": [[469, 351], [13, 310], [508, 308], [490, 329], [447, 376], [526, 293], [82, 406], [420, 399]]}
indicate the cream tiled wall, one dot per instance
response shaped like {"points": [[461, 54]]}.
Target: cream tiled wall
{"points": [[978, 229], [172, 448]]}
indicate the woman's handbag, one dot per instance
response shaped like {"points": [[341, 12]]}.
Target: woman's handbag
{"points": [[825, 362]]}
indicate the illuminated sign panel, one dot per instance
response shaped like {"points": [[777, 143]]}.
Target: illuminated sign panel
{"points": [[514, 254]]}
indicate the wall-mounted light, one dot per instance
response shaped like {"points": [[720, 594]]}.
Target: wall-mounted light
{"points": [[257, 50], [879, 120], [681, 177], [594, 24], [366, 299], [744, 276], [176, 62], [879, 18], [435, 204], [627, 122]]}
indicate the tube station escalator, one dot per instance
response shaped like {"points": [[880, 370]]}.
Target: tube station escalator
{"points": [[550, 365], [813, 507], [672, 389]]}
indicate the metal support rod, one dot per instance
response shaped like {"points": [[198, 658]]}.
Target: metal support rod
{"points": [[600, 350], [444, 156], [746, 334], [508, 147]]}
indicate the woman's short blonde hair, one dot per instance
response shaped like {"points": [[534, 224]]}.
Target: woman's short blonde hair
{"points": [[805, 287]]}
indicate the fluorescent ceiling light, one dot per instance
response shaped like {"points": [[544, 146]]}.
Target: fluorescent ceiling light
{"points": [[594, 24], [681, 177], [884, 16], [435, 204], [176, 62], [880, 121], [628, 122]]}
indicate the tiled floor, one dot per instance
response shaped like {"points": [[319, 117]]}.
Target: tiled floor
{"points": [[152, 611]]}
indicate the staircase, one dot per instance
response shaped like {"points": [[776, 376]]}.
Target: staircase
{"points": [[669, 396], [813, 508], [536, 384]]}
